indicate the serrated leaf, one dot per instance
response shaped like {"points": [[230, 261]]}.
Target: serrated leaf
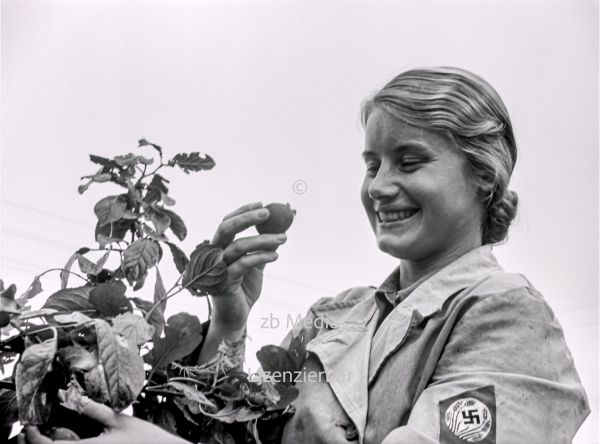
{"points": [[123, 367], [177, 226], [133, 328], [138, 258], [111, 209], [144, 142], [179, 258], [207, 272], [183, 334], [109, 299], [77, 357], [70, 299], [32, 368], [193, 161], [64, 273]]}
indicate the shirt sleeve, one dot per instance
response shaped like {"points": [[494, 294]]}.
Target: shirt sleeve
{"points": [[505, 376]]}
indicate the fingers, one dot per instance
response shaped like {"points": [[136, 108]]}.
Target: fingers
{"points": [[238, 221], [258, 259], [243, 246], [243, 209]]}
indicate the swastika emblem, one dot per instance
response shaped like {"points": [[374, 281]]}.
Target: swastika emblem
{"points": [[471, 416], [469, 419]]}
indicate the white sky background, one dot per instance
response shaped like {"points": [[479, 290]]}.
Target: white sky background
{"points": [[271, 90]]}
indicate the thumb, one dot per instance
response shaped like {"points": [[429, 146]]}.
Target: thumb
{"points": [[101, 413]]}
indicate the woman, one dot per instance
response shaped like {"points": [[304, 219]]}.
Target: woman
{"points": [[449, 348]]}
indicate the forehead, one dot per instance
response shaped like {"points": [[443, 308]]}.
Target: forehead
{"points": [[385, 131]]}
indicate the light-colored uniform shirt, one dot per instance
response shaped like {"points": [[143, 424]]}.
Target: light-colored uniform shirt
{"points": [[471, 354]]}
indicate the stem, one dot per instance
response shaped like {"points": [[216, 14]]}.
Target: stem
{"points": [[167, 296], [63, 269]]}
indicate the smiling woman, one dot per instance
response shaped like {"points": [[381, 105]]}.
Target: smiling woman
{"points": [[450, 348]]}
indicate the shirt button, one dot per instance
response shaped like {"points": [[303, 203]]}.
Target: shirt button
{"points": [[351, 433]]}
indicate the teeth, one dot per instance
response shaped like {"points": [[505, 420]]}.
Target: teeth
{"points": [[390, 216]]}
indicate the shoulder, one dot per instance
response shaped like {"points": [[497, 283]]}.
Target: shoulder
{"points": [[505, 324], [508, 295]]}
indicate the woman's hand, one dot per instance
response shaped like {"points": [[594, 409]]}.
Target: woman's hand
{"points": [[119, 429], [246, 258]]}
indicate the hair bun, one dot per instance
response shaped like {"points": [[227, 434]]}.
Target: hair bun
{"points": [[499, 217]]}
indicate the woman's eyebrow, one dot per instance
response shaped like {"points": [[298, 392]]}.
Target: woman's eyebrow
{"points": [[403, 146]]}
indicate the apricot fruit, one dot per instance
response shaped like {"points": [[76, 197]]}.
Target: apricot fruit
{"points": [[280, 219]]}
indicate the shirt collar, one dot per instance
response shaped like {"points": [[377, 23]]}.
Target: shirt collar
{"points": [[431, 292]]}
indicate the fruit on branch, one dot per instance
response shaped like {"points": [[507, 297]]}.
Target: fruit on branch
{"points": [[57, 433], [280, 219]]}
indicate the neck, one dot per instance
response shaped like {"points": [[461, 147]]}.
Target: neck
{"points": [[412, 271]]}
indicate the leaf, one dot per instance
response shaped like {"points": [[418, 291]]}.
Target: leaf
{"points": [[77, 357], [123, 367], [95, 384], [113, 232], [192, 394], [132, 160], [160, 220], [177, 226], [111, 209], [72, 318], [157, 317], [102, 161], [70, 299], [144, 142], [207, 272], [156, 188], [179, 258], [183, 334], [140, 256], [35, 362], [101, 176], [74, 397], [42, 313], [109, 300], [297, 350], [7, 300], [133, 328], [88, 267], [274, 358], [34, 289], [192, 161], [231, 414], [9, 408], [64, 273]]}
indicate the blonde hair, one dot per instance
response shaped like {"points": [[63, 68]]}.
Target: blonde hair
{"points": [[465, 108]]}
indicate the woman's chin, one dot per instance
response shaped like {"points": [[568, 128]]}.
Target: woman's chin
{"points": [[399, 248]]}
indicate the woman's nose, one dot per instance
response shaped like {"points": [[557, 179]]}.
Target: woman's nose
{"points": [[383, 185]]}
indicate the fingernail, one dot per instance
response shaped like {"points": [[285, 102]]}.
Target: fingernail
{"points": [[281, 238], [263, 213]]}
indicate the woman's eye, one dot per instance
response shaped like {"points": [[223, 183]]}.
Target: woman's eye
{"points": [[411, 164], [372, 168]]}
